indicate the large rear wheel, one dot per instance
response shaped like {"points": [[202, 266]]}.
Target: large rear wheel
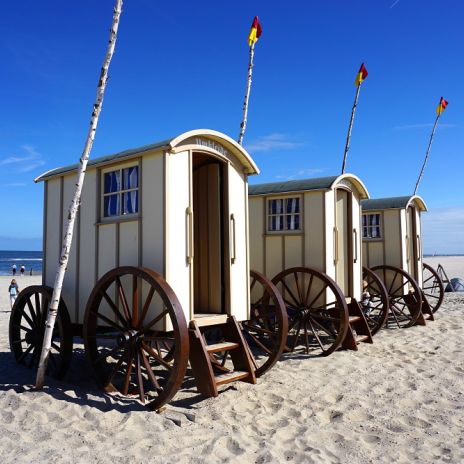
{"points": [[432, 287], [266, 330], [27, 329], [405, 296], [135, 335], [374, 301], [316, 309]]}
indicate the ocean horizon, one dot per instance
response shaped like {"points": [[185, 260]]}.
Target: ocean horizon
{"points": [[31, 260]]}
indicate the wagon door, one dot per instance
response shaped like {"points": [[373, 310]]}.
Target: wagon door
{"points": [[237, 243], [343, 241], [412, 240], [179, 227]]}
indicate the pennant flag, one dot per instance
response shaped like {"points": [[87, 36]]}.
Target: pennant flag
{"points": [[255, 32], [362, 74], [441, 106]]}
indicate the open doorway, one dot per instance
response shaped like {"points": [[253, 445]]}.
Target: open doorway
{"points": [[344, 241], [209, 240]]}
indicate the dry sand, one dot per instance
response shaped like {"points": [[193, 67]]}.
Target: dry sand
{"points": [[399, 400]]}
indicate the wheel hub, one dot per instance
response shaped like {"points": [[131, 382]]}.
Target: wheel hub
{"points": [[127, 337]]}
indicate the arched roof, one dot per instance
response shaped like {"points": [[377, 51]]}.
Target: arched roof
{"points": [[394, 203], [208, 140], [318, 183]]}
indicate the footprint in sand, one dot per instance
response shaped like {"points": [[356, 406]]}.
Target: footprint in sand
{"points": [[371, 439], [415, 422]]}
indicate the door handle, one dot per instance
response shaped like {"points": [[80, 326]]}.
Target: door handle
{"points": [[189, 227], [335, 237], [355, 232], [233, 255]]}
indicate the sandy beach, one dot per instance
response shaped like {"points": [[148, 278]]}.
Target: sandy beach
{"points": [[399, 400]]}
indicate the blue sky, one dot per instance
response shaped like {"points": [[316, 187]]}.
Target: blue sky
{"points": [[181, 65]]}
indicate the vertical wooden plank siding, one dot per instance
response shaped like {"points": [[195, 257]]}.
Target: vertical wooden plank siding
{"points": [[87, 231], [257, 233], [329, 225], [314, 230], [69, 289], [153, 208], [53, 227]]}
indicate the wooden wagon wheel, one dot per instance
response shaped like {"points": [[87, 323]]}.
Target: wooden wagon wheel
{"points": [[266, 330], [316, 308], [432, 287], [27, 328], [405, 299], [135, 335], [375, 306]]}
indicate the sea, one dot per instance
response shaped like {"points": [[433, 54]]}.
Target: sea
{"points": [[32, 260]]}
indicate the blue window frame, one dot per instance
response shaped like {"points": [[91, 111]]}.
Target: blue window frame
{"points": [[121, 192]]}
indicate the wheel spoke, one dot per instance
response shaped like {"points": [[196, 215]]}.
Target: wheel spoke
{"points": [[308, 291], [114, 308], [109, 321], [116, 367], [25, 353], [317, 296], [127, 377], [123, 298], [146, 306], [135, 303], [155, 355], [150, 373], [28, 319], [153, 322], [297, 303], [139, 377]]}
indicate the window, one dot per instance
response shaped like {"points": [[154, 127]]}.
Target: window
{"points": [[121, 192], [283, 214], [371, 226]]}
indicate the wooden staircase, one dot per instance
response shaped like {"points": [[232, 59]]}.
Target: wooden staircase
{"points": [[358, 328], [426, 312], [209, 370]]}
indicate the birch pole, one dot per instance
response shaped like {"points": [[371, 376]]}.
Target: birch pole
{"points": [[253, 36], [362, 74], [247, 95], [74, 206], [442, 104], [426, 155], [350, 127]]}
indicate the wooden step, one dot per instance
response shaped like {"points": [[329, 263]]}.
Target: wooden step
{"points": [[225, 346], [361, 338], [354, 319], [229, 377]]}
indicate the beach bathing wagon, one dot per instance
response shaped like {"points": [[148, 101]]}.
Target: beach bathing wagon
{"points": [[306, 236], [160, 242], [392, 248]]}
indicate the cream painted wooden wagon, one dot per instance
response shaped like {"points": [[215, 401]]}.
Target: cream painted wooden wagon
{"points": [[161, 239], [392, 248], [306, 236]]}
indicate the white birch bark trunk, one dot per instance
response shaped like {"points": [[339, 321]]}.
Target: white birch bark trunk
{"points": [[247, 95], [426, 156], [67, 239], [350, 127]]}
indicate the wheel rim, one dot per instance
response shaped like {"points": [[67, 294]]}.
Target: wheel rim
{"points": [[375, 305], [316, 308], [432, 287], [266, 330], [135, 335], [405, 299], [27, 328]]}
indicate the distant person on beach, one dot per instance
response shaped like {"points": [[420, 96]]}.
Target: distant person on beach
{"points": [[30, 272], [13, 269], [22, 269], [13, 290]]}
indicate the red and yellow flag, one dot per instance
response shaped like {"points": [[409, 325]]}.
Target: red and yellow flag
{"points": [[441, 106], [255, 32], [362, 74]]}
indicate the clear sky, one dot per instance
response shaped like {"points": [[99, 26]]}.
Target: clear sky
{"points": [[182, 65]]}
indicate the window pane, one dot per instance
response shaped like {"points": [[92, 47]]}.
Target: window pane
{"points": [[130, 202], [293, 205], [275, 206], [130, 178], [112, 181], [111, 205]]}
